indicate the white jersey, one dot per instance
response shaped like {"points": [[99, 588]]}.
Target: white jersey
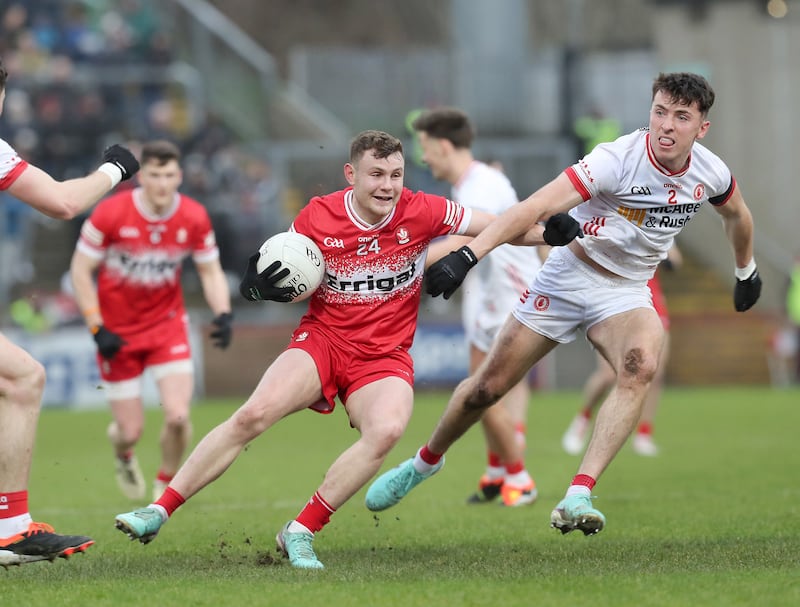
{"points": [[11, 165], [492, 289], [634, 206]]}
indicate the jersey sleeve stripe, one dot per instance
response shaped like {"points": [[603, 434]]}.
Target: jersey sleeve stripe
{"points": [[206, 255], [90, 251], [91, 234], [718, 201], [450, 213], [579, 185], [13, 174]]}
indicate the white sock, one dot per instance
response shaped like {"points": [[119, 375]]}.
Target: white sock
{"points": [[582, 490], [421, 466], [519, 479], [495, 472], [15, 524], [162, 511], [295, 527]]}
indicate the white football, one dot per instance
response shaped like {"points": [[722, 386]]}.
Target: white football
{"points": [[298, 253]]}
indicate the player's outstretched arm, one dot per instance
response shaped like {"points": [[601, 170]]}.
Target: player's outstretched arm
{"points": [[738, 223], [218, 297], [67, 199], [81, 271]]}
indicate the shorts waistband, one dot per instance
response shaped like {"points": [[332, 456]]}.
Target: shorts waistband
{"points": [[598, 277]]}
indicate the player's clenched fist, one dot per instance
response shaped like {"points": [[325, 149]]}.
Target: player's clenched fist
{"points": [[445, 276], [122, 158], [747, 291]]}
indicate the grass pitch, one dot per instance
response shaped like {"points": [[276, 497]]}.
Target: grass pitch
{"points": [[714, 520]]}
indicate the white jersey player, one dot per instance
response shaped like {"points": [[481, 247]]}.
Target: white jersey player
{"points": [[632, 197], [489, 294]]}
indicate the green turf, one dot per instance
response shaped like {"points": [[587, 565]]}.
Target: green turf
{"points": [[714, 520]]}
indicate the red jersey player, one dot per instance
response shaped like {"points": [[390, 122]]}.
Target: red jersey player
{"points": [[22, 378], [352, 343], [137, 241]]}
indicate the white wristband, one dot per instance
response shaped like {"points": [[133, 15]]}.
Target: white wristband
{"points": [[745, 272], [113, 171]]}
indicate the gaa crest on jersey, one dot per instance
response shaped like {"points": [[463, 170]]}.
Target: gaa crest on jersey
{"points": [[402, 235], [541, 303], [155, 232], [302, 336], [699, 191], [182, 236]]}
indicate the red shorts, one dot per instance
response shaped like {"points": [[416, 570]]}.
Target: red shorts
{"points": [[342, 370], [659, 301], [165, 343]]}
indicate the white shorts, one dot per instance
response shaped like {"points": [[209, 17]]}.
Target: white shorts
{"points": [[567, 295], [485, 309]]}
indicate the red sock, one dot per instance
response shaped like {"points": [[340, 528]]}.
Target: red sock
{"points": [[13, 504], [515, 467], [494, 460], [585, 480], [645, 428], [316, 514], [429, 457], [586, 413], [170, 501], [164, 477]]}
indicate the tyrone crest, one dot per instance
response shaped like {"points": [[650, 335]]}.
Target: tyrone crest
{"points": [[402, 235]]}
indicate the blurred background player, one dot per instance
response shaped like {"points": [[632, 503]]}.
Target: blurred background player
{"points": [[446, 135], [352, 342], [137, 241], [22, 378], [603, 377]]}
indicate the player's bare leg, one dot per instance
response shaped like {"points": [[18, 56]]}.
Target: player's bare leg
{"points": [[290, 384], [124, 433], [22, 540], [22, 381], [506, 475], [595, 390], [631, 341], [643, 443], [380, 412], [515, 350], [516, 402], [176, 432]]}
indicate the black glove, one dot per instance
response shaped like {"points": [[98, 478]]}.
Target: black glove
{"points": [[445, 276], [123, 159], [747, 291], [261, 287], [221, 336], [561, 229], [108, 343]]}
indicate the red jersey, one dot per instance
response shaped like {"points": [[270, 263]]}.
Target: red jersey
{"points": [[369, 299], [138, 281]]}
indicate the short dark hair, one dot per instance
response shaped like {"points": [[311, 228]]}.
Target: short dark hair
{"points": [[3, 75], [685, 88], [382, 144], [160, 150], [448, 123]]}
